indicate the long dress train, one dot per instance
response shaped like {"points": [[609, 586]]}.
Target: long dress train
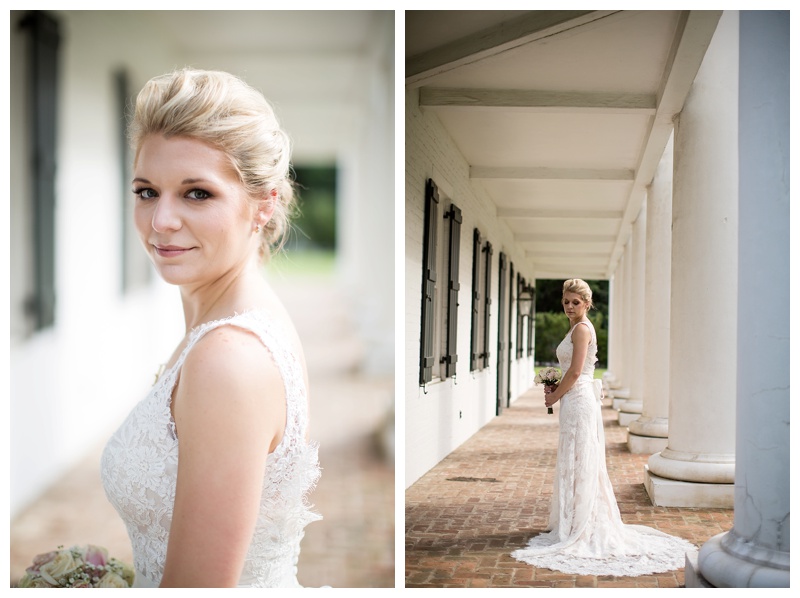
{"points": [[586, 534]]}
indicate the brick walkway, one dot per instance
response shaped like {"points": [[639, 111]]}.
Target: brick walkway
{"points": [[353, 546], [488, 497]]}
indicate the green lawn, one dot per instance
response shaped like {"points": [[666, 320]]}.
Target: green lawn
{"points": [[307, 263]]}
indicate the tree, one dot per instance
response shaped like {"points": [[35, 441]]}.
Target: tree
{"points": [[552, 325]]}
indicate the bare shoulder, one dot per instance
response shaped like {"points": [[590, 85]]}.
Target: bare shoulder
{"points": [[581, 334], [228, 377]]}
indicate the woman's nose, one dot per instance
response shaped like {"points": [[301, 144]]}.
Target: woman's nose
{"points": [[166, 215]]}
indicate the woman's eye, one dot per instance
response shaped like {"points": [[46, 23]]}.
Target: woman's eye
{"points": [[198, 194], [144, 193]]}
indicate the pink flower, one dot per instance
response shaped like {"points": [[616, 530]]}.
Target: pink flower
{"points": [[41, 559], [95, 555]]}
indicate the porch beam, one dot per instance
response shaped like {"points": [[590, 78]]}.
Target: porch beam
{"points": [[586, 274], [552, 174], [556, 238], [528, 100], [595, 262], [692, 37], [527, 28], [560, 254], [551, 214]]}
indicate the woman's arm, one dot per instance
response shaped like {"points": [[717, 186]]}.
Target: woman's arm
{"points": [[581, 337], [229, 411]]}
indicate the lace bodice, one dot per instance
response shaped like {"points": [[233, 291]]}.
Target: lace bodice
{"points": [[139, 469], [586, 534], [564, 351]]}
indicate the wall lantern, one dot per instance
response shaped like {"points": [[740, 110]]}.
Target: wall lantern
{"points": [[525, 299]]}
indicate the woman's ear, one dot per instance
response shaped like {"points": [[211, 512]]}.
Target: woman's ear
{"points": [[266, 207]]}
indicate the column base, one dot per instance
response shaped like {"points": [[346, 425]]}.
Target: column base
{"points": [[629, 412], [657, 427], [719, 568], [691, 573], [645, 444], [620, 393], [673, 493], [610, 381], [648, 435]]}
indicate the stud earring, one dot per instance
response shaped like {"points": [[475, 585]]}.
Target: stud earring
{"points": [[258, 228]]}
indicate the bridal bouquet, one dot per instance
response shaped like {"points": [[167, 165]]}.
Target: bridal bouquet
{"points": [[548, 377], [77, 567]]}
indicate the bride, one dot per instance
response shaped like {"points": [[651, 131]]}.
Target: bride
{"points": [[586, 534], [210, 471]]}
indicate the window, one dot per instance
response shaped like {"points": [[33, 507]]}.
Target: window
{"points": [[439, 321]]}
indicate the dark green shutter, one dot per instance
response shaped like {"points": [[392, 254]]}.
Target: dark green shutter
{"points": [[451, 357], [44, 42], [428, 282], [501, 321], [511, 302], [520, 319], [476, 299], [530, 324], [487, 304]]}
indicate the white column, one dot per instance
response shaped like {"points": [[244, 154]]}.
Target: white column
{"points": [[697, 467], [611, 377], [631, 409], [648, 434], [755, 553], [622, 390]]}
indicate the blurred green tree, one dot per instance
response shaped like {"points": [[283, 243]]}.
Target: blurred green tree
{"points": [[315, 223], [552, 325]]}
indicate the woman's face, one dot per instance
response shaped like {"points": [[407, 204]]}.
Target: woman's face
{"points": [[574, 305], [192, 213]]}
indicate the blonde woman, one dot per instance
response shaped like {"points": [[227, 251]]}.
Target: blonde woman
{"points": [[586, 535], [211, 470]]}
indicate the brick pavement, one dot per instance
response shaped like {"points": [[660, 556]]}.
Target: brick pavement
{"points": [[488, 497], [353, 546]]}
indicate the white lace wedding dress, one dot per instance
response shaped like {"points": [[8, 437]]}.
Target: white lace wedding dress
{"points": [[140, 463], [587, 535]]}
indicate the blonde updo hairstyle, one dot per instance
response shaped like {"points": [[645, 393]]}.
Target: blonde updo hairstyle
{"points": [[223, 111], [579, 287]]}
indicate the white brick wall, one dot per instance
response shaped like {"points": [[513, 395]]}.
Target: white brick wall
{"points": [[445, 414]]}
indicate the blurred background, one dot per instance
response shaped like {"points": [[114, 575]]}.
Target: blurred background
{"points": [[90, 322]]}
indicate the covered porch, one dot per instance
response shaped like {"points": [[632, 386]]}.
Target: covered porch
{"points": [[649, 149]]}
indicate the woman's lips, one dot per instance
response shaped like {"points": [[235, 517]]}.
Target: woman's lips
{"points": [[171, 250]]}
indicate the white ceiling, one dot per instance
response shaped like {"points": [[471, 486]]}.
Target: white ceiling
{"points": [[310, 64], [561, 115]]}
